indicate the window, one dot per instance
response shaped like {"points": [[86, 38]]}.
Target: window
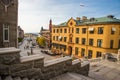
{"points": [[57, 47], [111, 44], [83, 41], [83, 30], [70, 40], [64, 48], [5, 33], [82, 52], [100, 30], [77, 30], [60, 30], [90, 54], [57, 30], [56, 38], [60, 38], [53, 37], [98, 54], [65, 30], [76, 50], [99, 43], [61, 47], [77, 40], [119, 44], [65, 38], [91, 30], [53, 30], [91, 42]]}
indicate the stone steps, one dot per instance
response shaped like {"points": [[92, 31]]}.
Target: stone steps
{"points": [[16, 78], [66, 76], [71, 76]]}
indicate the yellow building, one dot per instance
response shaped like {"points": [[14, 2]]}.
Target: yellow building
{"points": [[87, 37]]}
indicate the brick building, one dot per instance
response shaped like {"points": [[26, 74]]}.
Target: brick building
{"points": [[20, 32], [8, 23]]}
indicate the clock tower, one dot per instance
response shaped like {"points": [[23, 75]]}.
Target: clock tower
{"points": [[8, 23]]}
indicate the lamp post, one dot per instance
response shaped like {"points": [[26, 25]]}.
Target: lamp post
{"points": [[31, 50]]}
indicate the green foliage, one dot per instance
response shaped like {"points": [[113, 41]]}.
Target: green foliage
{"points": [[20, 39], [41, 41]]}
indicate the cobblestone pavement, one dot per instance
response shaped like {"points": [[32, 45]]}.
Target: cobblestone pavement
{"points": [[105, 70]]}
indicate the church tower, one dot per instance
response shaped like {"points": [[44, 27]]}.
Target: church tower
{"points": [[8, 23], [50, 25]]}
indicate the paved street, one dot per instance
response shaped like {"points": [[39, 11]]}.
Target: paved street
{"points": [[36, 50]]}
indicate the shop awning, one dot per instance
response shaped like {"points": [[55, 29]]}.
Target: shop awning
{"points": [[60, 37], [113, 29], [90, 29]]}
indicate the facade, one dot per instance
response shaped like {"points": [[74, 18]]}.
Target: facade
{"points": [[84, 37], [46, 33], [8, 23], [20, 32]]}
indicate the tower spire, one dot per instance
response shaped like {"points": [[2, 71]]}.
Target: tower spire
{"points": [[50, 25]]}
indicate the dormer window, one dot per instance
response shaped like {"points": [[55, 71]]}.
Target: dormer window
{"points": [[71, 23]]}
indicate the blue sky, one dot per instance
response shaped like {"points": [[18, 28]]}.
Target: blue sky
{"points": [[33, 14]]}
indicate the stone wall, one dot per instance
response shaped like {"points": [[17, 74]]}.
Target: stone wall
{"points": [[35, 67]]}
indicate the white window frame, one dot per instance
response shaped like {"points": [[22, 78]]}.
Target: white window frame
{"points": [[5, 27]]}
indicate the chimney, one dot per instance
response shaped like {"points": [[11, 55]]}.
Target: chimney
{"points": [[110, 16], [92, 19], [84, 18], [78, 18]]}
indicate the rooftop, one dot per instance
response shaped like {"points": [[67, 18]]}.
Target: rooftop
{"points": [[107, 19]]}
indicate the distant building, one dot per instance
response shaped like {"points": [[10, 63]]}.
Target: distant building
{"points": [[46, 33], [20, 32], [8, 23], [87, 37]]}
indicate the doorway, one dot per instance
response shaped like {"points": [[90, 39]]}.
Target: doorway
{"points": [[70, 50]]}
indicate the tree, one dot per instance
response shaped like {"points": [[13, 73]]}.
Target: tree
{"points": [[41, 41]]}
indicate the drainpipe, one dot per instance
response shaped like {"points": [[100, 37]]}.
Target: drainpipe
{"points": [[87, 42]]}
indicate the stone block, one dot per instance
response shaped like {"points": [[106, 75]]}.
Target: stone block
{"points": [[47, 69], [39, 63], [19, 67], [22, 73], [49, 75], [9, 58], [34, 73], [4, 69], [8, 78]]}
